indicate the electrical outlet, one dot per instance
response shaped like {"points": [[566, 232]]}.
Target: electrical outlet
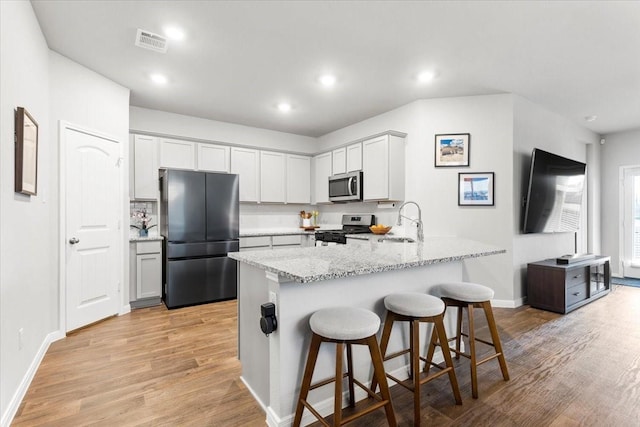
{"points": [[273, 297], [20, 338]]}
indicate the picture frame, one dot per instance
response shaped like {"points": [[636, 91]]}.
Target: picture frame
{"points": [[26, 153], [452, 150], [476, 189]]}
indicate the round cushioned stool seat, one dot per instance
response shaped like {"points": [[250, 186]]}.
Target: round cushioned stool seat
{"points": [[463, 291], [414, 304], [344, 323]]}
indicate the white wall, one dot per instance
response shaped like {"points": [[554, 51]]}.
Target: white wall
{"points": [[620, 150], [535, 127], [51, 88], [85, 98], [161, 123], [489, 121], [28, 281]]}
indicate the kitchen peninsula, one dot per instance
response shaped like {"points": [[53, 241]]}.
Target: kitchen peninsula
{"points": [[302, 280]]}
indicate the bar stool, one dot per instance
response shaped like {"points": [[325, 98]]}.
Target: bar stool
{"points": [[469, 295], [417, 308], [344, 325]]}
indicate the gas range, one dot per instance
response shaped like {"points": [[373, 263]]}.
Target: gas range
{"points": [[351, 224]]}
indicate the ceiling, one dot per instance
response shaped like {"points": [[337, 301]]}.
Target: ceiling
{"points": [[240, 59]]}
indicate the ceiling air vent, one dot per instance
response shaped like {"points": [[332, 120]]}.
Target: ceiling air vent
{"points": [[151, 41]]}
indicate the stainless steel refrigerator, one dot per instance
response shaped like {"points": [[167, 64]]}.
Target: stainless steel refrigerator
{"points": [[199, 222]]}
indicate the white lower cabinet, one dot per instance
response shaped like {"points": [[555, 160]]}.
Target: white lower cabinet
{"points": [[260, 243], [146, 277]]}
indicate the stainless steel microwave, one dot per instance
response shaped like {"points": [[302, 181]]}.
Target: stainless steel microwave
{"points": [[346, 187]]}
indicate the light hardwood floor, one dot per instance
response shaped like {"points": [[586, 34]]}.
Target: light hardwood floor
{"points": [[159, 367]]}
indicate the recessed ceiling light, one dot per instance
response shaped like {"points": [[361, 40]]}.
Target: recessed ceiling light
{"points": [[327, 80], [426, 76], [159, 79], [174, 33], [590, 118], [284, 107]]}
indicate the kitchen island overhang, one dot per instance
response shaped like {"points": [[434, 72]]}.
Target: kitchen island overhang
{"points": [[301, 281]]}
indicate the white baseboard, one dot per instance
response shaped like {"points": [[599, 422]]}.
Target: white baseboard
{"points": [[507, 303], [16, 400], [254, 394], [125, 309]]}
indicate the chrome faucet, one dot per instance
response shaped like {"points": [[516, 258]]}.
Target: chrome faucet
{"points": [[418, 221]]}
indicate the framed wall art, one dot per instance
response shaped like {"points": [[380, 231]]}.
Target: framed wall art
{"points": [[452, 150], [26, 153], [476, 189]]}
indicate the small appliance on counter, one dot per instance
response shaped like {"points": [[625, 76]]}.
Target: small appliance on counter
{"points": [[346, 187], [200, 224], [351, 224]]}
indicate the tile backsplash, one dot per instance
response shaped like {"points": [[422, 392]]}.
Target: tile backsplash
{"points": [[151, 208]]}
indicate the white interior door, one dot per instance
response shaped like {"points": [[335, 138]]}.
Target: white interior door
{"points": [[92, 264], [631, 223]]}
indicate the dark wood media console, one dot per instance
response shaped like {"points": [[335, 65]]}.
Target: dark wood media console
{"points": [[564, 287]]}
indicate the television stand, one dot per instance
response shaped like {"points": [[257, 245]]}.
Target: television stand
{"points": [[571, 259], [565, 287]]}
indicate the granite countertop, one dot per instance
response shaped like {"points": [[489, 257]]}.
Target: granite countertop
{"points": [[316, 264], [283, 231], [133, 238]]}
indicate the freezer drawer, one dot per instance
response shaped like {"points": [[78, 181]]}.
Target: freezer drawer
{"points": [[198, 281]]}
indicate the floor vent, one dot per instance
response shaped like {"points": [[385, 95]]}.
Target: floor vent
{"points": [[151, 41]]}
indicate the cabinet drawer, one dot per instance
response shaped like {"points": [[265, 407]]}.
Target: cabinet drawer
{"points": [[154, 247], [577, 276], [287, 240], [255, 242], [576, 293]]}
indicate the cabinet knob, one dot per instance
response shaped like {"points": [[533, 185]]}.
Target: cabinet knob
{"points": [[576, 293], [74, 240]]}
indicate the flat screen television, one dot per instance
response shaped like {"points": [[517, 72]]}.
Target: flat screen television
{"points": [[554, 195]]}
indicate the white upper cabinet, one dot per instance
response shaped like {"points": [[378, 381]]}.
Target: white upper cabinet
{"points": [[339, 162], [298, 179], [347, 159], [145, 166], [273, 170], [177, 154], [354, 157], [321, 173], [383, 168], [246, 163], [213, 158]]}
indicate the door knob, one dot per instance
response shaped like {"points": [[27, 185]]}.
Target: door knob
{"points": [[74, 240]]}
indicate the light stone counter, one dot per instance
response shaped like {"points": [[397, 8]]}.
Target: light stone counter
{"points": [[332, 262], [136, 238]]}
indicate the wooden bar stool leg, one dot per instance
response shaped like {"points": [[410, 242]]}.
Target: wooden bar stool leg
{"points": [[337, 396], [314, 349], [432, 349], [415, 369], [493, 328], [472, 351], [459, 332], [352, 395], [378, 371], [439, 327], [384, 342]]}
